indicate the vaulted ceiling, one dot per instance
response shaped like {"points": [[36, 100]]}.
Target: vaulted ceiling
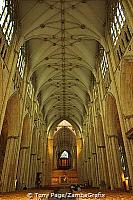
{"points": [[63, 37]]}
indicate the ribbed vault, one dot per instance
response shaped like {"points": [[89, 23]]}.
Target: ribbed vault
{"points": [[63, 37]]}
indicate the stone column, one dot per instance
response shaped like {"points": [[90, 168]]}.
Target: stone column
{"points": [[89, 169], [44, 163], [87, 152], [12, 61], [23, 167], [84, 152], [100, 164], [94, 163], [74, 164], [112, 164], [104, 165], [101, 151], [54, 158], [33, 170], [33, 159], [115, 161], [79, 158], [39, 154], [49, 161], [8, 173], [130, 141], [99, 86]]}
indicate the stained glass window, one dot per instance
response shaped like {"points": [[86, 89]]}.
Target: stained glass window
{"points": [[64, 154]]}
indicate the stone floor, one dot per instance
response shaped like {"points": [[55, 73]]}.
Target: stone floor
{"points": [[45, 194]]}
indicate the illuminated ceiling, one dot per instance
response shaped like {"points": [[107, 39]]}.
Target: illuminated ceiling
{"points": [[63, 38]]}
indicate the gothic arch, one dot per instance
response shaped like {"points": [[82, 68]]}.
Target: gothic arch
{"points": [[9, 134], [10, 124]]}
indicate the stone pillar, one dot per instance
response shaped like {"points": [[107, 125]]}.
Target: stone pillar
{"points": [[101, 152], [115, 161], [84, 152], [104, 167], [8, 173], [94, 163], [54, 158], [89, 169], [79, 158], [33, 159], [23, 167], [111, 180], [44, 163], [40, 154], [33, 170], [74, 164], [130, 142], [12, 61], [49, 162], [100, 165], [87, 152]]}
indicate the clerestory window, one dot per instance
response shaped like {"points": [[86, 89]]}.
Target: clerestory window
{"points": [[6, 19], [104, 64], [64, 154], [117, 19], [30, 89], [21, 61]]}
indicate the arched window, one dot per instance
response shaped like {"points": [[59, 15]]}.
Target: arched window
{"points": [[6, 19], [64, 154], [64, 160], [117, 20], [21, 61], [104, 64], [30, 89]]}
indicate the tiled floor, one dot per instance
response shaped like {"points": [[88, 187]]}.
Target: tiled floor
{"points": [[41, 195]]}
